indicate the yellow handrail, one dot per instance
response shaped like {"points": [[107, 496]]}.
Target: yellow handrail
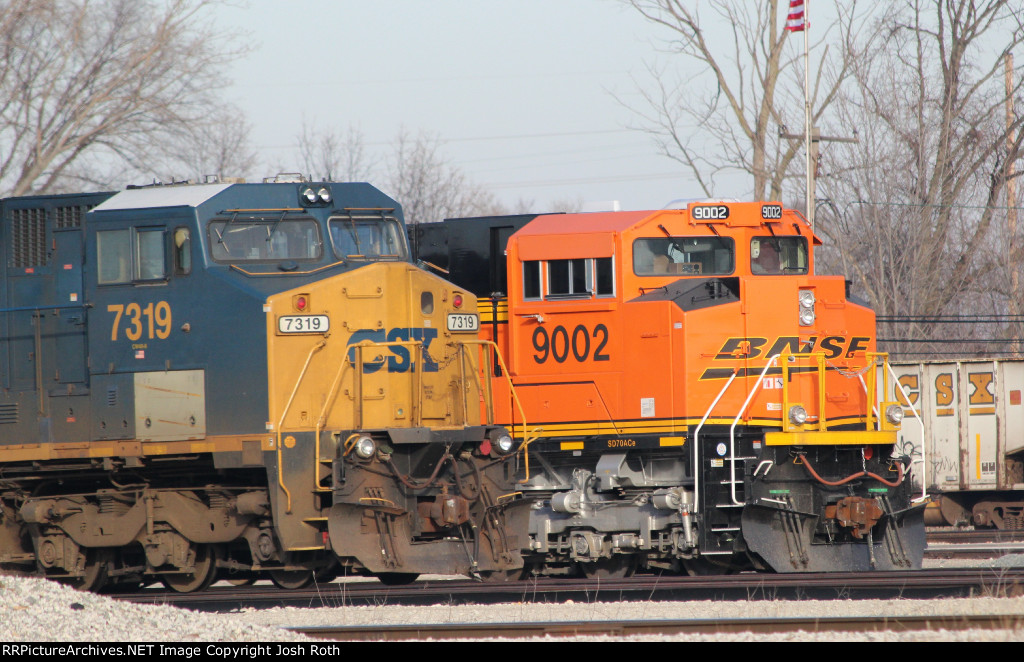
{"points": [[280, 423]]}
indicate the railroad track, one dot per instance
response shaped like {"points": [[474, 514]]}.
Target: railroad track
{"points": [[951, 543], [835, 625], [944, 582]]}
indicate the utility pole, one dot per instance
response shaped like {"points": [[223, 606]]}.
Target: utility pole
{"points": [[812, 160], [1011, 202]]}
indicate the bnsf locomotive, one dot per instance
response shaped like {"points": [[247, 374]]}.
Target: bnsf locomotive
{"points": [[688, 393], [244, 379]]}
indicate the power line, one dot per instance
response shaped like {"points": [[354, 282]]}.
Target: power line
{"points": [[952, 341], [949, 319], [988, 353], [916, 204]]}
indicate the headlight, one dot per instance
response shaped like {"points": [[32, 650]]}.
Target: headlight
{"points": [[365, 447], [894, 413], [806, 299], [309, 195], [502, 442], [798, 415], [324, 195]]}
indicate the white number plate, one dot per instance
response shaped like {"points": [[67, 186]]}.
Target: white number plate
{"points": [[463, 322], [303, 324]]}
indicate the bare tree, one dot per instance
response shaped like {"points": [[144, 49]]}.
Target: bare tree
{"points": [[919, 202], [108, 83], [218, 146], [732, 122], [430, 188], [326, 154]]}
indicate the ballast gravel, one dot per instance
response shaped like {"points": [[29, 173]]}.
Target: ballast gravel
{"points": [[35, 610]]}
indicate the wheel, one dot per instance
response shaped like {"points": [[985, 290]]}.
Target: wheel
{"points": [[397, 578], [328, 573], [236, 580], [617, 567], [291, 579], [201, 577], [95, 576], [501, 576], [702, 567]]}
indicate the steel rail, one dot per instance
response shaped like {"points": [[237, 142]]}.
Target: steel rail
{"points": [[941, 582], [634, 628]]}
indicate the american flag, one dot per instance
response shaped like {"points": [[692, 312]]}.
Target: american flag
{"points": [[795, 20]]}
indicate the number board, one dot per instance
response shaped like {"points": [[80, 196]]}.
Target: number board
{"points": [[463, 322], [303, 324]]}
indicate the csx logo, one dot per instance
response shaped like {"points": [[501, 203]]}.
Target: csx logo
{"points": [[400, 359], [832, 346], [980, 398]]}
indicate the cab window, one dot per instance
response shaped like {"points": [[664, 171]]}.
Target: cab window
{"points": [[264, 239], [686, 256], [130, 255], [373, 238], [774, 256], [578, 278]]}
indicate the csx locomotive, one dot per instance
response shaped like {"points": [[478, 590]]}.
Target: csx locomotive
{"points": [[689, 394], [244, 379]]}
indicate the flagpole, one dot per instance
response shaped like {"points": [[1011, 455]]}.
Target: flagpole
{"points": [[807, 124]]}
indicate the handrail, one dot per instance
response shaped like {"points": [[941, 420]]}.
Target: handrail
{"points": [[732, 428], [696, 445], [924, 438], [329, 401], [63, 306], [291, 398], [821, 424], [515, 398], [417, 389]]}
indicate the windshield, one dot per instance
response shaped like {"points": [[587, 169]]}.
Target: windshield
{"points": [[778, 255], [367, 239], [684, 255], [254, 240]]}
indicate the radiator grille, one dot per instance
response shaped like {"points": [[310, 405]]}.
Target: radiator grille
{"points": [[8, 413], [69, 217], [28, 238]]}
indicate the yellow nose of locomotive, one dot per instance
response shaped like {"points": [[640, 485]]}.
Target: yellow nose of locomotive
{"points": [[377, 348]]}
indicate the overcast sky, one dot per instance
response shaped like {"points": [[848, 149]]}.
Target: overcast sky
{"points": [[522, 91]]}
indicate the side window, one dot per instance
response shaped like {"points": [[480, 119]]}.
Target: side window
{"points": [[577, 278], [531, 280], [130, 255], [778, 255], [150, 249], [684, 256], [605, 281], [570, 278], [114, 256], [182, 251]]}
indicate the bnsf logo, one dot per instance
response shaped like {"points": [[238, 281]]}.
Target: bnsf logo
{"points": [[710, 212], [401, 355], [832, 346]]}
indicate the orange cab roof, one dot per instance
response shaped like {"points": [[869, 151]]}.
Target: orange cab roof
{"points": [[612, 221]]}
